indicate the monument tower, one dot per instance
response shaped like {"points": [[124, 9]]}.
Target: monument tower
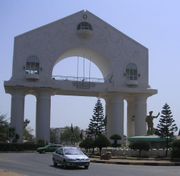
{"points": [[122, 61]]}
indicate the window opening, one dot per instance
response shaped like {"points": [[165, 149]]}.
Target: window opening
{"points": [[32, 65], [84, 25], [131, 71]]}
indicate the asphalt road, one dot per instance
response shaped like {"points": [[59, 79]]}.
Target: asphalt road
{"points": [[34, 164]]}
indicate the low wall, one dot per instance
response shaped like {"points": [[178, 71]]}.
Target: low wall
{"points": [[119, 152]]}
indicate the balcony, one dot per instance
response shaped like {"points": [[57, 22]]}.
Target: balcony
{"points": [[78, 79], [32, 77], [132, 83]]}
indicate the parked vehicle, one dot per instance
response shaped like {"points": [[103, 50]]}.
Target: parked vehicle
{"points": [[48, 148], [70, 157]]}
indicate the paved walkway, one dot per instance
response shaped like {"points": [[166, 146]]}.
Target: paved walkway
{"points": [[149, 162]]}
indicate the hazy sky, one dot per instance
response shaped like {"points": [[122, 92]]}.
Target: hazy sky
{"points": [[153, 23]]}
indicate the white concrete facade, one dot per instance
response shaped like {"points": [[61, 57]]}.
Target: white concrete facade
{"points": [[122, 61]]}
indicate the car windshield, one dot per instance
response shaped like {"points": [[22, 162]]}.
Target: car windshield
{"points": [[72, 151]]}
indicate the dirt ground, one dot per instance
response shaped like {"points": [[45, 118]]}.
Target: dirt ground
{"points": [[7, 173]]}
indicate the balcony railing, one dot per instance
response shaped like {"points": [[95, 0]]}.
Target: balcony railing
{"points": [[132, 83], [79, 79], [32, 76]]}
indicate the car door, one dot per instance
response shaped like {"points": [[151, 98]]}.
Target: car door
{"points": [[52, 148], [59, 156]]}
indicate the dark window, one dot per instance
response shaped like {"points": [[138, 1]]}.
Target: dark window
{"points": [[32, 65], [84, 25], [59, 151], [131, 71]]}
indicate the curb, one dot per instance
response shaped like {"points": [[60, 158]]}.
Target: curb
{"points": [[136, 162]]}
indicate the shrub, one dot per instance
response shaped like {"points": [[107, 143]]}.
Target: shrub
{"points": [[175, 153], [18, 147], [115, 139], [101, 141], [140, 146], [87, 143]]}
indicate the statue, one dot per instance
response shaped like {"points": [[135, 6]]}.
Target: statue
{"points": [[149, 121]]}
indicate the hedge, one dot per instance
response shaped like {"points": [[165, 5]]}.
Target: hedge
{"points": [[18, 146]]}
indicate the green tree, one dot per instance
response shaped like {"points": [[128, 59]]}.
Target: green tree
{"points": [[26, 122], [71, 135], [98, 121], [53, 135], [4, 127], [166, 126], [87, 143], [27, 131], [115, 139], [8, 133], [101, 141], [12, 135]]}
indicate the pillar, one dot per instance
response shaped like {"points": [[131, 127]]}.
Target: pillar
{"points": [[115, 115], [43, 116], [108, 116], [140, 115], [17, 113], [130, 117]]}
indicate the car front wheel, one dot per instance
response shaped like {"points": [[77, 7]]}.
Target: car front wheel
{"points": [[54, 163], [64, 164], [86, 167]]}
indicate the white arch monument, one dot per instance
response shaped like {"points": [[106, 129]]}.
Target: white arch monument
{"points": [[122, 61]]}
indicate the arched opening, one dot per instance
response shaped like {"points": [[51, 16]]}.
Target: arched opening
{"points": [[30, 112], [77, 69], [101, 62], [125, 117], [76, 110]]}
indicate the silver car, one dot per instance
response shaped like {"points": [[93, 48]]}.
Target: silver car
{"points": [[70, 157]]}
